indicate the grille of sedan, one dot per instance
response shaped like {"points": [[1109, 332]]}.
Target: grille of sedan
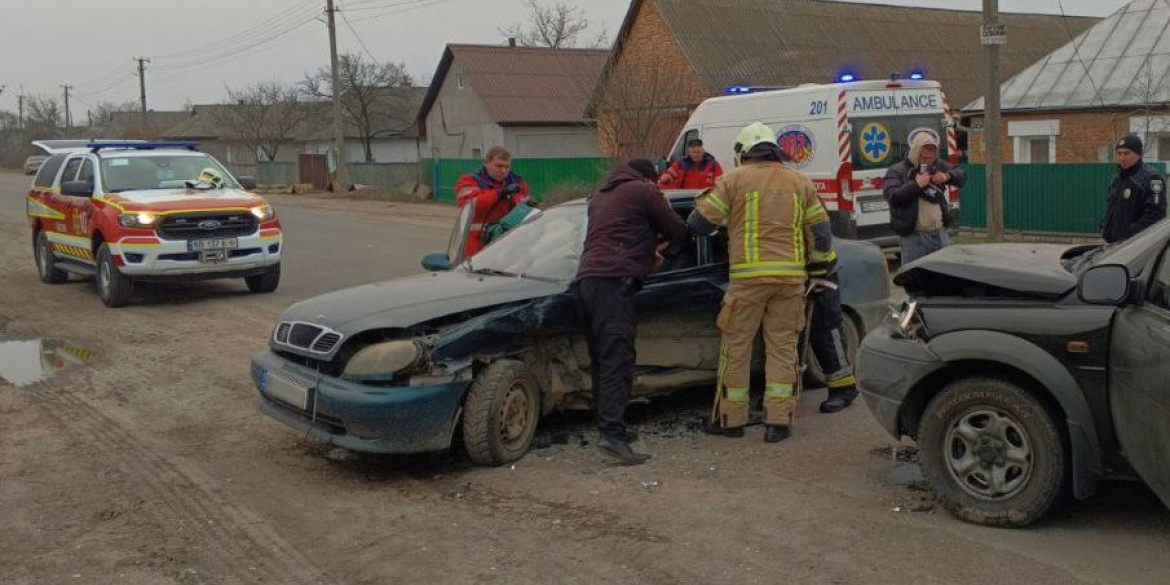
{"points": [[206, 225], [314, 338]]}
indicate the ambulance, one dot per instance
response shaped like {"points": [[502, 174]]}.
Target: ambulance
{"points": [[844, 136]]}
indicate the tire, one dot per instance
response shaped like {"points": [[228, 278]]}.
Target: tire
{"points": [[814, 376], [970, 430], [266, 282], [500, 413], [113, 287], [46, 261]]}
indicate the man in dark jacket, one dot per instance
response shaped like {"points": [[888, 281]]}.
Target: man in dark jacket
{"points": [[916, 189], [626, 217], [1137, 197]]}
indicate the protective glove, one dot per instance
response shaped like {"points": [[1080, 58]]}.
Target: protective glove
{"points": [[509, 191]]}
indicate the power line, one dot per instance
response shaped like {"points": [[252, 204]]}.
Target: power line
{"points": [[1077, 54], [269, 23], [345, 19], [414, 5], [234, 48]]}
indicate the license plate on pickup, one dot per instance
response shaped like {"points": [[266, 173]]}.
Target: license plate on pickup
{"points": [[213, 244], [284, 391], [875, 205]]}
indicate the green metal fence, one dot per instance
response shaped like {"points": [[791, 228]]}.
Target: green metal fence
{"points": [[540, 174], [277, 173], [1060, 198]]}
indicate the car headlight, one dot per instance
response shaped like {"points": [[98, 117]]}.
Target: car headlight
{"points": [[136, 220], [907, 320], [264, 212], [381, 361]]}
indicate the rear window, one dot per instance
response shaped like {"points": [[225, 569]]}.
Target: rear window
{"points": [[881, 141], [48, 171]]}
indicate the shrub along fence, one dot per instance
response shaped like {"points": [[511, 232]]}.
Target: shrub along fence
{"points": [[1054, 198]]}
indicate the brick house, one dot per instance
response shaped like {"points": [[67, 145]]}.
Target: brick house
{"points": [[667, 57], [1071, 105], [530, 100]]}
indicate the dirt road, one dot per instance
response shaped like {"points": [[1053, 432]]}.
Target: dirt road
{"points": [[144, 461]]}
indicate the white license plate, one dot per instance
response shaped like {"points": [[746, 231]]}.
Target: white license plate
{"points": [[213, 256], [213, 244], [880, 205], [287, 392]]}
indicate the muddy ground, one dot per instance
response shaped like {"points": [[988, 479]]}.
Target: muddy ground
{"points": [[144, 460]]}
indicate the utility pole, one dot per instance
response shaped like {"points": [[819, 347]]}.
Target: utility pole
{"points": [[341, 181], [142, 61], [20, 108], [68, 120], [993, 35]]}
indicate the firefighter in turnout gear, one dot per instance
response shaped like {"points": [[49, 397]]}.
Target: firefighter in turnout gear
{"points": [[826, 335], [775, 224]]}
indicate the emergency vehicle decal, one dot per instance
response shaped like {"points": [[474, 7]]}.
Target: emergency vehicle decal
{"points": [[844, 143], [71, 246], [797, 142], [269, 234], [38, 209], [875, 142]]}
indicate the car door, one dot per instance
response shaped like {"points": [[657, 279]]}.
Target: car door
{"points": [[74, 243], [1139, 397]]}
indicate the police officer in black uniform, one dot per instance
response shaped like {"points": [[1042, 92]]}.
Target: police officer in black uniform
{"points": [[1137, 196]]}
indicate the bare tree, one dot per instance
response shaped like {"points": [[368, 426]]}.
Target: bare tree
{"points": [[560, 26], [263, 116], [367, 94], [638, 110], [43, 112], [104, 111]]}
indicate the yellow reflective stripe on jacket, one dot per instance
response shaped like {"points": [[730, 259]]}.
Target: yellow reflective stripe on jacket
{"points": [[719, 204], [797, 226], [759, 269], [751, 227], [815, 213], [815, 255]]}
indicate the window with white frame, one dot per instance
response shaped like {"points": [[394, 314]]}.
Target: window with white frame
{"points": [[1034, 141]]}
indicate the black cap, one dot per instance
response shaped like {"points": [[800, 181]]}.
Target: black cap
{"points": [[1132, 142], [694, 142], [644, 167]]}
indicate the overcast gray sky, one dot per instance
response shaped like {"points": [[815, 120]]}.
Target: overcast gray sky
{"points": [[199, 46]]}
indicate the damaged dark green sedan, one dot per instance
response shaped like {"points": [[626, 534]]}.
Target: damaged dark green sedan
{"points": [[489, 347]]}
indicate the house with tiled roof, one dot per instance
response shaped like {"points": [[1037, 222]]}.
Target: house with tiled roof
{"points": [[531, 100], [1072, 104], [690, 50]]}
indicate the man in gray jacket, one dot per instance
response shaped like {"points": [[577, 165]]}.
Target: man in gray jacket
{"points": [[916, 189]]}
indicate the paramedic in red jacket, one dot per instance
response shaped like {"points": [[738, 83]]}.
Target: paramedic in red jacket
{"points": [[494, 190], [697, 170]]}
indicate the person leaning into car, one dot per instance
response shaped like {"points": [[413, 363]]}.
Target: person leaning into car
{"points": [[494, 190], [1137, 198], [626, 217], [916, 189]]}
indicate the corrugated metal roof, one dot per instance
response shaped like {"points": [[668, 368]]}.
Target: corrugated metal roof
{"points": [[528, 85], [1121, 61], [789, 42]]}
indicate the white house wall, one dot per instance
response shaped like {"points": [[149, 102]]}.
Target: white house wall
{"points": [[459, 124], [552, 142], [393, 150]]}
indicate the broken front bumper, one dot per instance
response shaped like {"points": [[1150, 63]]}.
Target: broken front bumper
{"points": [[888, 367], [416, 419]]}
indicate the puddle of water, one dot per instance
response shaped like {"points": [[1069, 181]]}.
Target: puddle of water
{"points": [[30, 361]]}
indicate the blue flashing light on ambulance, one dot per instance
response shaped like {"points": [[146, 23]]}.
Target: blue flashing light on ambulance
{"points": [[844, 136]]}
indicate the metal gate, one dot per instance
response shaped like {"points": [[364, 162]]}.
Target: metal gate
{"points": [[314, 169]]}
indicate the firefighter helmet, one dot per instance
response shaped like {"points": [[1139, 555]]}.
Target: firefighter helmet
{"points": [[212, 178], [751, 135]]}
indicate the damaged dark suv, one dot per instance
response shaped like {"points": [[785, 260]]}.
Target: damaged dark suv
{"points": [[1028, 372]]}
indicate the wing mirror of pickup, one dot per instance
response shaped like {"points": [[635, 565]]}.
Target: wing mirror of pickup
{"points": [[248, 183], [437, 262], [1107, 284], [77, 188]]}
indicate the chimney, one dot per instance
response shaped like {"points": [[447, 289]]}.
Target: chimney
{"points": [[511, 41]]}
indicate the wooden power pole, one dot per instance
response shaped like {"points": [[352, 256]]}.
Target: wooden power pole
{"points": [[341, 179], [992, 35]]}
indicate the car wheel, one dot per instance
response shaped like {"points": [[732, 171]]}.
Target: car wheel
{"points": [[992, 453], [814, 376], [266, 282], [500, 413], [46, 261], [113, 287]]}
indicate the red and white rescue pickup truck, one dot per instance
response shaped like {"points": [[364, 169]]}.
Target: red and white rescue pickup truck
{"points": [[140, 211]]}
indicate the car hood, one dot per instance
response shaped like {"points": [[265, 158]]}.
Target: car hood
{"points": [[182, 199], [1022, 269], [405, 302]]}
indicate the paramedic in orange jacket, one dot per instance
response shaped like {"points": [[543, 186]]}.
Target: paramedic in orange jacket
{"points": [[697, 170], [494, 190]]}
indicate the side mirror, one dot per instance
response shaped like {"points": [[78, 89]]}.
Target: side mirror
{"points": [[77, 189], [248, 183], [436, 262], [1107, 284]]}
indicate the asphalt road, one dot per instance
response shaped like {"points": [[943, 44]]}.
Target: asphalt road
{"points": [[150, 464]]}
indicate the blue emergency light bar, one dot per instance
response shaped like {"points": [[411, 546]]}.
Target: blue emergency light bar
{"points": [[95, 146], [916, 74], [846, 77], [740, 89]]}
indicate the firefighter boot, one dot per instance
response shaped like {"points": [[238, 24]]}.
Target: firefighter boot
{"points": [[776, 433]]}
